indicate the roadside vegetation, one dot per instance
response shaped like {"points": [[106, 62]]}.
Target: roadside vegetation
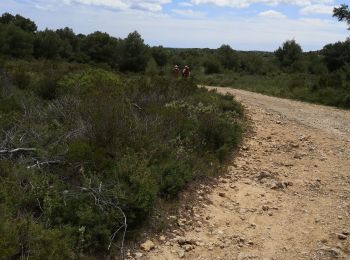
{"points": [[86, 151], [95, 129], [319, 76]]}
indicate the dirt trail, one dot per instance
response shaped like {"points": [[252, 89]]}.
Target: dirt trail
{"points": [[285, 196]]}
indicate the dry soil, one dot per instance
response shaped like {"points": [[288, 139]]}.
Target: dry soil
{"points": [[285, 196]]}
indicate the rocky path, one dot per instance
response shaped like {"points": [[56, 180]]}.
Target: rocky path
{"points": [[285, 196]]}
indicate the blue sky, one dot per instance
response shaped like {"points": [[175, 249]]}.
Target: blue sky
{"points": [[243, 24]]}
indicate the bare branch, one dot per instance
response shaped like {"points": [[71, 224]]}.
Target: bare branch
{"points": [[17, 150], [137, 106], [37, 164]]}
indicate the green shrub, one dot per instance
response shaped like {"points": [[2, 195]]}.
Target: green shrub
{"points": [[211, 66], [9, 105], [172, 178], [106, 145], [21, 78]]}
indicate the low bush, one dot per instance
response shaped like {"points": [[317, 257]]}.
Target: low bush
{"points": [[105, 147], [328, 89]]}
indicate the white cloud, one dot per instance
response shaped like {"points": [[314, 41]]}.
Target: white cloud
{"points": [[272, 14], [242, 33], [188, 13], [147, 5], [119, 4], [186, 4], [247, 3], [317, 9]]}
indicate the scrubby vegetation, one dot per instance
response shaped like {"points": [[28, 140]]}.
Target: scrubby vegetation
{"points": [[87, 150], [319, 76], [100, 148]]}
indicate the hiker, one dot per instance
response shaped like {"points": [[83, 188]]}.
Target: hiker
{"points": [[186, 72], [176, 71]]}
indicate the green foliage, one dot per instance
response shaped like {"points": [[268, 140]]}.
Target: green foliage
{"points": [[342, 13], [134, 53], [19, 21], [139, 183], [253, 63], [47, 45], [15, 41], [160, 55], [337, 55], [19, 38], [100, 47], [315, 64], [211, 66], [228, 57], [301, 86], [70, 43], [289, 53], [152, 68], [105, 144], [21, 78]]}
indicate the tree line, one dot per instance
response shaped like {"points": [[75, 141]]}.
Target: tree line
{"points": [[20, 38], [325, 73]]}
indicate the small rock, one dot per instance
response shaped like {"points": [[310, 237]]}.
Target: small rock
{"points": [[342, 237], [252, 225], [220, 232], [187, 248], [181, 253], [221, 194], [299, 155], [162, 238], [294, 145], [265, 208], [147, 246], [138, 255], [180, 240], [334, 252]]}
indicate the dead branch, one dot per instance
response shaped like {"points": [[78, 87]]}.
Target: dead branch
{"points": [[104, 202], [17, 150], [37, 164], [137, 106]]}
